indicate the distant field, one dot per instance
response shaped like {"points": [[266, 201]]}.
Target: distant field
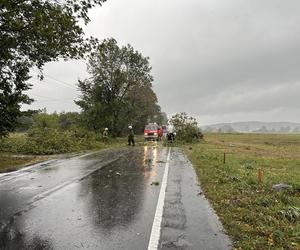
{"points": [[255, 216]]}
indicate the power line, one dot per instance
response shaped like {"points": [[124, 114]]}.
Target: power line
{"points": [[48, 98], [58, 81], [54, 100], [67, 84], [39, 96], [46, 82]]}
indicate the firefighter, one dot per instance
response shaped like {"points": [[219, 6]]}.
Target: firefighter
{"points": [[171, 133], [130, 136], [105, 135]]}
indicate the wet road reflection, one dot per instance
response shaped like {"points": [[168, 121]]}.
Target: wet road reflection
{"points": [[114, 194], [108, 208]]}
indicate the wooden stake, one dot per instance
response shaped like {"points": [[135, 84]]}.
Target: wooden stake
{"points": [[224, 158], [260, 175]]}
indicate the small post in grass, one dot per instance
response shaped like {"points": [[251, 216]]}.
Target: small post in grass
{"points": [[224, 158], [260, 175]]}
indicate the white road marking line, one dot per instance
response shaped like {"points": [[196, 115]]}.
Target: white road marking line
{"points": [[156, 226]]}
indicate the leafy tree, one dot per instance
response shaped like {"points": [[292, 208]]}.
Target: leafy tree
{"points": [[119, 91], [142, 107], [186, 127], [164, 118], [34, 32], [69, 120], [44, 120], [24, 123]]}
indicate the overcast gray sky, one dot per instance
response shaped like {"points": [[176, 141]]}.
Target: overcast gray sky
{"points": [[217, 60]]}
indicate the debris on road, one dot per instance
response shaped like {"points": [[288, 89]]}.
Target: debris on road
{"points": [[148, 160], [155, 183]]}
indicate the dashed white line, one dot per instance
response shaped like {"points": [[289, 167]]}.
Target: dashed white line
{"points": [[156, 226]]}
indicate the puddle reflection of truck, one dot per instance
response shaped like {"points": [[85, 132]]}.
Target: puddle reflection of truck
{"points": [[153, 132]]}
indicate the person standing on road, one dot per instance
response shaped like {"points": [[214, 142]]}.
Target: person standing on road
{"points": [[130, 136], [171, 133], [105, 135], [160, 133]]}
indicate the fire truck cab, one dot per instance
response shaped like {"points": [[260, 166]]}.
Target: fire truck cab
{"points": [[152, 132]]}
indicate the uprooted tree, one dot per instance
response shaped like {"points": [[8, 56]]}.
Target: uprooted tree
{"points": [[32, 33], [186, 127], [119, 90]]}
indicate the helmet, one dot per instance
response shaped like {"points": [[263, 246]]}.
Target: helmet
{"points": [[106, 129], [130, 127]]}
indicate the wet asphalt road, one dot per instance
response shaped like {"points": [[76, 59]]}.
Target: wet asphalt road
{"points": [[106, 201]]}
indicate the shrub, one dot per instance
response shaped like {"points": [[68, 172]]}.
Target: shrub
{"points": [[44, 120], [186, 127], [40, 141], [14, 143], [50, 141]]}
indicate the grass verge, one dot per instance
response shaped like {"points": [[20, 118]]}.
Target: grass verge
{"points": [[255, 216], [12, 162], [16, 151]]}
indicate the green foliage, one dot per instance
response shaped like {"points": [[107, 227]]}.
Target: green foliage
{"points": [[163, 119], [33, 33], [11, 162], [49, 140], [249, 164], [14, 143], [52, 134], [69, 120], [291, 213], [62, 121], [24, 123], [186, 127], [119, 91], [44, 120]]}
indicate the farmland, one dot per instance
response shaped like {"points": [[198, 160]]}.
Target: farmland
{"points": [[255, 216]]}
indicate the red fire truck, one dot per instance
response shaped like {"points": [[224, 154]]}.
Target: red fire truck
{"points": [[153, 131]]}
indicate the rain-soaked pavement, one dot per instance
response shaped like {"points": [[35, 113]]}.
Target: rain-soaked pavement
{"points": [[107, 200]]}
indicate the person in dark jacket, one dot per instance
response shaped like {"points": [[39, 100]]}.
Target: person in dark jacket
{"points": [[130, 136]]}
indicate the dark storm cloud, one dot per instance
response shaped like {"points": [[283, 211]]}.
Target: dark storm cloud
{"points": [[212, 58]]}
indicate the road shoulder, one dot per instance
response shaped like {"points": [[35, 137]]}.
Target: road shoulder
{"points": [[189, 222]]}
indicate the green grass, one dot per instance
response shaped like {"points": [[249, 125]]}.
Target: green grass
{"points": [[11, 162], [253, 215]]}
